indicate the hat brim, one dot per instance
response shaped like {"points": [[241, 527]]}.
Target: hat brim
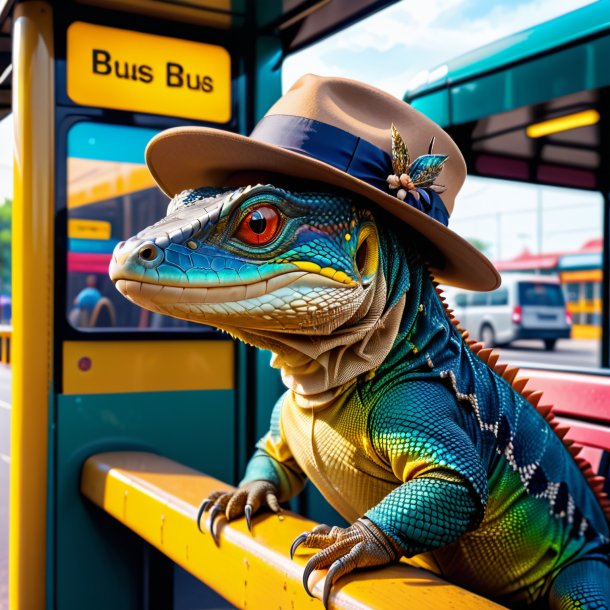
{"points": [[190, 157]]}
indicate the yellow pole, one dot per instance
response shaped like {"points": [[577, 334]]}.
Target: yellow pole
{"points": [[33, 104]]}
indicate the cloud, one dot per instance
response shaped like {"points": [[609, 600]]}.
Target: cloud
{"points": [[389, 48]]}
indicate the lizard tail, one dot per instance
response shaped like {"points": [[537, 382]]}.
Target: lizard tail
{"points": [[509, 373]]}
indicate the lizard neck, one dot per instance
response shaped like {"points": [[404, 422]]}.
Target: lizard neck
{"points": [[427, 342], [320, 368]]}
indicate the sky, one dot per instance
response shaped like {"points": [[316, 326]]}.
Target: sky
{"points": [[392, 48]]}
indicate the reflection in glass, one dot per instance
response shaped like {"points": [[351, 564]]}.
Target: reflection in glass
{"points": [[111, 196]]}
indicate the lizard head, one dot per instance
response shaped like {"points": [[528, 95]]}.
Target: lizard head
{"points": [[253, 257]]}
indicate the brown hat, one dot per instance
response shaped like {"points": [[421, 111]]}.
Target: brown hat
{"points": [[335, 131]]}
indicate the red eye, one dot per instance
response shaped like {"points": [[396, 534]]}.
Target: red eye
{"points": [[260, 226]]}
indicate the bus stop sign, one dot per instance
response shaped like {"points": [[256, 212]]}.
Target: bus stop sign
{"points": [[126, 70]]}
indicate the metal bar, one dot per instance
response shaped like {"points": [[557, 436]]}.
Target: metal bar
{"points": [[605, 347], [33, 99], [158, 499]]}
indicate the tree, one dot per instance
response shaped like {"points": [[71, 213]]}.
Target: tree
{"points": [[5, 246]]}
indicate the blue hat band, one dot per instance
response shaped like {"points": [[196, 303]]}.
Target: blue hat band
{"points": [[343, 150]]}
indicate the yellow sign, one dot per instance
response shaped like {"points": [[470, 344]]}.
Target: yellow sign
{"points": [[125, 70], [79, 228]]}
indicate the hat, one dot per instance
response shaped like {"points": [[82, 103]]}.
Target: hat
{"points": [[338, 132]]}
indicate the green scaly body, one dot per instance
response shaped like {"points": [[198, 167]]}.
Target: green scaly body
{"points": [[432, 445]]}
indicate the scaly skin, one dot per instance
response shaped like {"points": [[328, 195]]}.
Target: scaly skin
{"points": [[432, 455]]}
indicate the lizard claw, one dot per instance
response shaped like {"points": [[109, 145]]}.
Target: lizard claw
{"points": [[298, 541], [248, 514], [214, 514], [309, 568], [205, 504], [202, 509], [245, 500], [361, 545]]}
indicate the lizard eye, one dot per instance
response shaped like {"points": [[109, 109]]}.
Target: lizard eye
{"points": [[260, 226]]}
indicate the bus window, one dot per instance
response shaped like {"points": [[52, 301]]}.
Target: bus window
{"points": [[111, 195]]}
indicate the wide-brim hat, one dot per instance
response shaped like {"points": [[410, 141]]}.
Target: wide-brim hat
{"points": [[338, 132]]}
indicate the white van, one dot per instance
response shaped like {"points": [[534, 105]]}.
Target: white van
{"points": [[526, 306]]}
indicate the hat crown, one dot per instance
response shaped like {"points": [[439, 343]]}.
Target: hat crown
{"points": [[368, 113]]}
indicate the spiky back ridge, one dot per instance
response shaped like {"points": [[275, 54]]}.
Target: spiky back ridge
{"points": [[509, 374]]}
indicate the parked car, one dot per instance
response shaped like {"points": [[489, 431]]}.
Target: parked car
{"points": [[526, 306]]}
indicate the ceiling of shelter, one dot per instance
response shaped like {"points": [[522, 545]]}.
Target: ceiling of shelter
{"points": [[503, 146]]}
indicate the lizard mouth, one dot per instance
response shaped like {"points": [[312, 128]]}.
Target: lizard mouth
{"points": [[139, 291]]}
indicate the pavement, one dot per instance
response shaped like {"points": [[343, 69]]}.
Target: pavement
{"points": [[5, 452], [572, 353]]}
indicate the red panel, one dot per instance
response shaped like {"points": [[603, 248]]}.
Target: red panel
{"points": [[588, 435], [88, 263], [502, 167], [573, 394], [566, 176]]}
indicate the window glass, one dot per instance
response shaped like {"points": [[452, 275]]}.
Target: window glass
{"points": [[522, 228], [460, 299], [531, 230], [111, 196], [534, 294], [499, 297], [478, 298], [572, 292]]}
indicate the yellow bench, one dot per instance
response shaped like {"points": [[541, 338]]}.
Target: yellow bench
{"points": [[158, 499]]}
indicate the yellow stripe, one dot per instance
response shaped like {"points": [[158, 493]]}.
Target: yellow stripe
{"points": [[109, 367], [591, 275], [33, 97], [586, 331], [158, 499]]}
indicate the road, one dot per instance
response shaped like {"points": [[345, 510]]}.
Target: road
{"points": [[573, 353], [5, 443]]}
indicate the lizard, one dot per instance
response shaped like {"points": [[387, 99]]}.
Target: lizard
{"points": [[414, 432]]}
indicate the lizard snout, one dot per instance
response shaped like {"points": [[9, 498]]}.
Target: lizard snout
{"points": [[133, 255]]}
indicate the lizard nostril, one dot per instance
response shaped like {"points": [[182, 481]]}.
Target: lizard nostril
{"points": [[148, 253]]}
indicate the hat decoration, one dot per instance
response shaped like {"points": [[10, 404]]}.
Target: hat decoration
{"points": [[411, 181]]}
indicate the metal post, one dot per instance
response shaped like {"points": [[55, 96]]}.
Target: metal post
{"points": [[605, 347]]}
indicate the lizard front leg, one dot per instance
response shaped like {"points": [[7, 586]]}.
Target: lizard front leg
{"points": [[362, 545], [272, 476], [245, 500], [440, 494]]}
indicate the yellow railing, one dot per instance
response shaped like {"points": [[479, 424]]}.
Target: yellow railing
{"points": [[6, 333], [158, 499]]}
